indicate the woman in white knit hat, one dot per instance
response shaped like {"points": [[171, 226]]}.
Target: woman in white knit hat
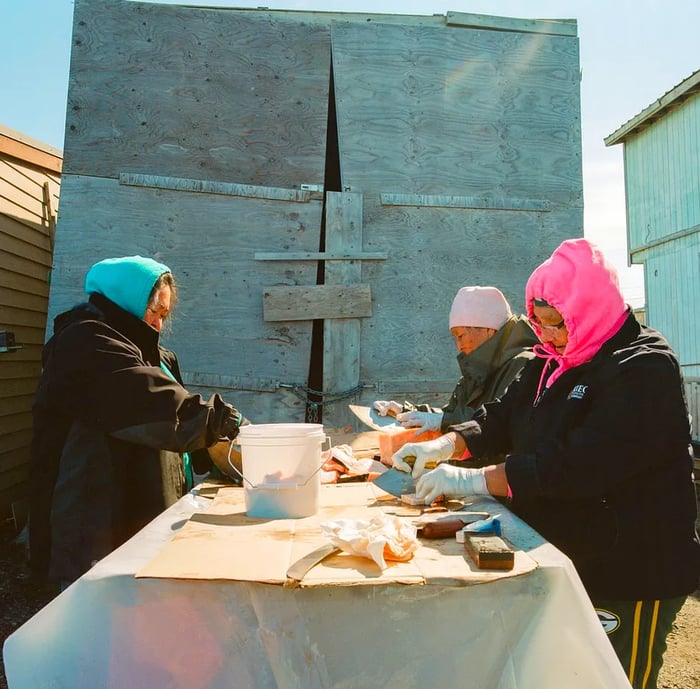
{"points": [[493, 345]]}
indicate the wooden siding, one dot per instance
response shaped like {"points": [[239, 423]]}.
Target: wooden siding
{"points": [[672, 276], [29, 192], [662, 178], [662, 186], [450, 152], [692, 394]]}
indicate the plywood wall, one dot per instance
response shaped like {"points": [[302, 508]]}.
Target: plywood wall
{"points": [[350, 170], [29, 192]]}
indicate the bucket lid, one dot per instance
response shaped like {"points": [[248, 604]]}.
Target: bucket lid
{"points": [[280, 430]]}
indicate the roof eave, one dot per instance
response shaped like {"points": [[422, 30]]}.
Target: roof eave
{"points": [[653, 112]]}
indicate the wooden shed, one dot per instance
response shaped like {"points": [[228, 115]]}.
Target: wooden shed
{"points": [[30, 178], [662, 190], [321, 185]]}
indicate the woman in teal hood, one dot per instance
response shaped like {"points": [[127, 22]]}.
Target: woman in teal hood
{"points": [[116, 436]]}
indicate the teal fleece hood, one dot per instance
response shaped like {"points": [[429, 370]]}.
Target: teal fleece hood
{"points": [[127, 281]]}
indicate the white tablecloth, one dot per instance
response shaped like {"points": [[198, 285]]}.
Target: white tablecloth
{"points": [[111, 630]]}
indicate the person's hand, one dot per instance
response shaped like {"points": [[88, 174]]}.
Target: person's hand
{"points": [[421, 420], [452, 482], [384, 407], [434, 451], [231, 422]]}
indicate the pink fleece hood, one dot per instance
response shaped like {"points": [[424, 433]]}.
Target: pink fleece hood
{"points": [[583, 287]]}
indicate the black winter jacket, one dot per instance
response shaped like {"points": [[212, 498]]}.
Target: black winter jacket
{"points": [[109, 425], [600, 465]]}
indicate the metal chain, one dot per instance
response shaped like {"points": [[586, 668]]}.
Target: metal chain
{"points": [[303, 392]]}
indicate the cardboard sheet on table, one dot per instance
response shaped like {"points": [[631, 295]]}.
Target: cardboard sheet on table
{"points": [[225, 544]]}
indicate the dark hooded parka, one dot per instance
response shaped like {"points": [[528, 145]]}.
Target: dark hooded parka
{"points": [[111, 419]]}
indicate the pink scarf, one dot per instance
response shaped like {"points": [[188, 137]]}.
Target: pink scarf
{"points": [[583, 287]]}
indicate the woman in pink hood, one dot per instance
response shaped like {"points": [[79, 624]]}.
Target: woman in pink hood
{"points": [[598, 453]]}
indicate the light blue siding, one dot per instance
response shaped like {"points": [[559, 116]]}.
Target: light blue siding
{"points": [[662, 183], [662, 178], [672, 281]]}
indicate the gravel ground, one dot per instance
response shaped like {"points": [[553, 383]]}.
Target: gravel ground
{"points": [[20, 598]]}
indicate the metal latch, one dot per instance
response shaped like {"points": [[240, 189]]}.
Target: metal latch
{"points": [[7, 341]]}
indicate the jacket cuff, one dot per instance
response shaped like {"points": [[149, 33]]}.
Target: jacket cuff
{"points": [[471, 434], [521, 474]]}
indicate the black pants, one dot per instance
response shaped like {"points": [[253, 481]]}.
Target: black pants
{"points": [[638, 631]]}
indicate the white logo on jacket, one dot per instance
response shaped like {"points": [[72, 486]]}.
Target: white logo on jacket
{"points": [[578, 392]]}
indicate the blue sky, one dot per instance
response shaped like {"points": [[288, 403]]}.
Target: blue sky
{"points": [[632, 52]]}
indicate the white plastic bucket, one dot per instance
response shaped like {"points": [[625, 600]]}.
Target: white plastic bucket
{"points": [[281, 465]]}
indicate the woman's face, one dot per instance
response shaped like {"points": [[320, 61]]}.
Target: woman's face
{"points": [[468, 339], [550, 327], [159, 308]]}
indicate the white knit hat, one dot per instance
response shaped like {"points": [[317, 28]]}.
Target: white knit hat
{"points": [[479, 307]]}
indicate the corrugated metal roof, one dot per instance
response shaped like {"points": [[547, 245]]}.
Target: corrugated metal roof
{"points": [[679, 93]]}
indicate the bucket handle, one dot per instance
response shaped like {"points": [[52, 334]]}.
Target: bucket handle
{"points": [[233, 466]]}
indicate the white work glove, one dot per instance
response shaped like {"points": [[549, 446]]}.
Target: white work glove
{"points": [[421, 420], [383, 407], [433, 451], [452, 482]]}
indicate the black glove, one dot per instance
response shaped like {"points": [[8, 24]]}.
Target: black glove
{"points": [[223, 422], [231, 422]]}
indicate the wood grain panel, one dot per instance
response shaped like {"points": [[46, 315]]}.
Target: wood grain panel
{"points": [[434, 252], [198, 93], [208, 240], [451, 110]]}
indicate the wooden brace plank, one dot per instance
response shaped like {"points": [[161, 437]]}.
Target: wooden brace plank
{"points": [[316, 302], [557, 27], [451, 201], [203, 186], [322, 256]]}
